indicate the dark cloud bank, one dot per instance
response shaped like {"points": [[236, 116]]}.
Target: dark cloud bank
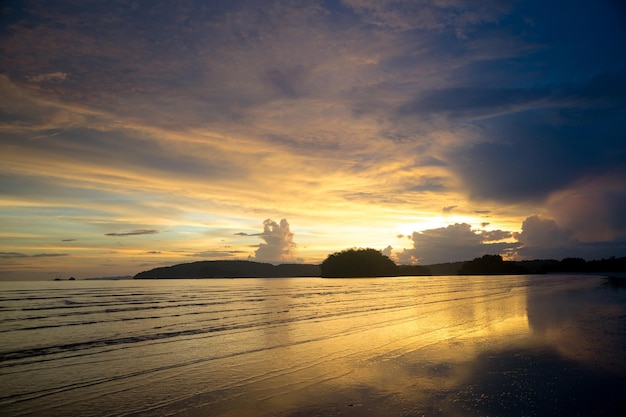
{"points": [[540, 238]]}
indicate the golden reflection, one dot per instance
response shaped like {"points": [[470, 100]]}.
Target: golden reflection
{"points": [[428, 346], [403, 348], [424, 350]]}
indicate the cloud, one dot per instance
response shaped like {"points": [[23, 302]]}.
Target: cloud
{"points": [[547, 147], [472, 102], [11, 255], [134, 233], [220, 254], [448, 209], [14, 255], [457, 242], [495, 235], [53, 76], [279, 244], [542, 238], [456, 16], [593, 208]]}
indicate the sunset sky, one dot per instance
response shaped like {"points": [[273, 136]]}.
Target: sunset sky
{"points": [[140, 134]]}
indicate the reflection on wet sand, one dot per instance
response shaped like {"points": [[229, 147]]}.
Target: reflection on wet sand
{"points": [[584, 324], [469, 348], [431, 357]]}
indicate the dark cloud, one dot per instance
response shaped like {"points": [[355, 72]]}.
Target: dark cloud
{"points": [[134, 232], [288, 82], [542, 238], [68, 240], [448, 209], [433, 16], [13, 255], [428, 184], [495, 235], [475, 102], [457, 242], [593, 207], [526, 156], [219, 254]]}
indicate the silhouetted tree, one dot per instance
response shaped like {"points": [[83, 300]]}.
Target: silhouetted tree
{"points": [[611, 264], [573, 265], [491, 265], [352, 263]]}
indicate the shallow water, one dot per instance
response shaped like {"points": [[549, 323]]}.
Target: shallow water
{"points": [[522, 345]]}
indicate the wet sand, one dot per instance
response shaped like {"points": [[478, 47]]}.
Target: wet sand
{"points": [[573, 363], [513, 382], [409, 346]]}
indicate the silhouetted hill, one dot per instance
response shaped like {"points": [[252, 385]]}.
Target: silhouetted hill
{"points": [[230, 269], [249, 269]]}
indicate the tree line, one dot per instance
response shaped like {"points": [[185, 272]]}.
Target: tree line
{"points": [[369, 262]]}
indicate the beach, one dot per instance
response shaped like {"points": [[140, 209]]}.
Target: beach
{"points": [[410, 346]]}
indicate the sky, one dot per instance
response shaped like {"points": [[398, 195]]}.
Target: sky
{"points": [[135, 135]]}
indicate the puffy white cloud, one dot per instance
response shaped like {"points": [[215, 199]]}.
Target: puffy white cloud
{"points": [[279, 244]]}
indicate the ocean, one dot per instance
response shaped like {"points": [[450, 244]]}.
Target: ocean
{"points": [[410, 346]]}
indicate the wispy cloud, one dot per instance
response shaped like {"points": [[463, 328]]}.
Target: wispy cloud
{"points": [[17, 255], [53, 76], [134, 233]]}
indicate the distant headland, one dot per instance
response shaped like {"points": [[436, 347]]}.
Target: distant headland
{"points": [[230, 269]]}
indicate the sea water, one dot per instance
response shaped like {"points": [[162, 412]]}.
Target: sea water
{"points": [[301, 346]]}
